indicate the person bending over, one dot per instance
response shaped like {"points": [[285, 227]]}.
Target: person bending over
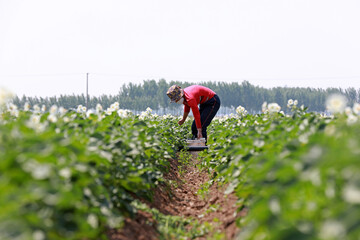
{"points": [[191, 97]]}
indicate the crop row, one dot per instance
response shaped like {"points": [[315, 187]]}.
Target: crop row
{"points": [[298, 175], [69, 175], [73, 175]]}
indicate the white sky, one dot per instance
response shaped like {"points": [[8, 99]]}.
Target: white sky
{"points": [[48, 46]]}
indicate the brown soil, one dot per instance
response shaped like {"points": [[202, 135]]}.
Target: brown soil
{"points": [[142, 227], [214, 207]]}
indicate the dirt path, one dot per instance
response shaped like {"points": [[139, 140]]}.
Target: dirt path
{"points": [[212, 207]]}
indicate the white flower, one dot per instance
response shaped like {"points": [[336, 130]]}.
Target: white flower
{"points": [[52, 118], [105, 210], [356, 108], [12, 107], [62, 111], [351, 194], [66, 119], [264, 107], [241, 111], [330, 191], [114, 222], [312, 175], [123, 113], [81, 167], [36, 108], [330, 130], [146, 114], [259, 143], [26, 106], [81, 109], [5, 96], [93, 220], [305, 227], [14, 112], [109, 111], [34, 120], [53, 110], [99, 108], [43, 108], [295, 102], [274, 107], [89, 113], [336, 103], [65, 173], [305, 122], [40, 127], [34, 123], [290, 102], [114, 106], [38, 235], [143, 115], [332, 229], [51, 199], [274, 206], [41, 171], [348, 111], [351, 119], [87, 192]]}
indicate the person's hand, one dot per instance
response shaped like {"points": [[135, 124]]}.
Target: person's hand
{"points": [[181, 122], [199, 134]]}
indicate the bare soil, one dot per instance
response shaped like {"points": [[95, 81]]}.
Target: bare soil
{"points": [[182, 199]]}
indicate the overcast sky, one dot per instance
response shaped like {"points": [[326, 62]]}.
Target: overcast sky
{"points": [[48, 46]]}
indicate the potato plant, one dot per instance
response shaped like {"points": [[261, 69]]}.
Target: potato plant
{"points": [[72, 175], [297, 175]]}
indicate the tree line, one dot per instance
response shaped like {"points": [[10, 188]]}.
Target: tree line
{"points": [[151, 93]]}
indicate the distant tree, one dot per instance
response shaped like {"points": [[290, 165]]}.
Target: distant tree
{"points": [[151, 93]]}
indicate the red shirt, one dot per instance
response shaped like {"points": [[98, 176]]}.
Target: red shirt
{"points": [[195, 95]]}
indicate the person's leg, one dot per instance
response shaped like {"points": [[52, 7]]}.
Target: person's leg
{"points": [[194, 130], [209, 110], [193, 126]]}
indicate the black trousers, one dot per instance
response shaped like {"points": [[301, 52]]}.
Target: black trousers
{"points": [[208, 111]]}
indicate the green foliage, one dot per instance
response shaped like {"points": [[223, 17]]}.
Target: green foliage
{"points": [[175, 227], [71, 178], [298, 175], [184, 161]]}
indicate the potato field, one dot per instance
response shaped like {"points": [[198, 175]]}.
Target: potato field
{"points": [[288, 174]]}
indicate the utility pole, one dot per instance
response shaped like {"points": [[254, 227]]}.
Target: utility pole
{"points": [[87, 91]]}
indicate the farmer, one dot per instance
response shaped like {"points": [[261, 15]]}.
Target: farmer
{"points": [[191, 97]]}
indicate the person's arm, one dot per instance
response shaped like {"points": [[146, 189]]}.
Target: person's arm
{"points": [[183, 118], [199, 135], [196, 113]]}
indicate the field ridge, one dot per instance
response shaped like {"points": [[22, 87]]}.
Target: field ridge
{"points": [[213, 209]]}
